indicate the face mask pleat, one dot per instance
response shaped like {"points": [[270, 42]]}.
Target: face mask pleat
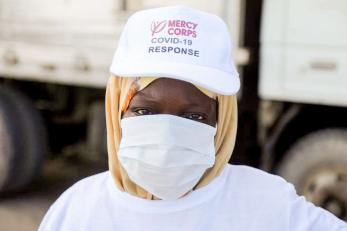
{"points": [[161, 156], [168, 130], [168, 177]]}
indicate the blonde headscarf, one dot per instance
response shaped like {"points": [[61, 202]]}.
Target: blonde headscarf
{"points": [[116, 95]]}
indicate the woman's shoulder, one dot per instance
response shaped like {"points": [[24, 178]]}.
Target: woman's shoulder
{"points": [[255, 184], [270, 195], [93, 182], [76, 202], [86, 188], [246, 176]]}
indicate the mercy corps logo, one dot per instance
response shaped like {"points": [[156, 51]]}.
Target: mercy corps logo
{"points": [[175, 27]]}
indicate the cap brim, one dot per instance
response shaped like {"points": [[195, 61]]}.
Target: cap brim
{"points": [[215, 80]]}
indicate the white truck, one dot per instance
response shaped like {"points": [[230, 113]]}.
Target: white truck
{"points": [[54, 59]]}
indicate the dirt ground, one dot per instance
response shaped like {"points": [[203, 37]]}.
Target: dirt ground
{"points": [[23, 211]]}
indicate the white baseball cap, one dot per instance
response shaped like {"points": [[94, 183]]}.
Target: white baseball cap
{"points": [[178, 42]]}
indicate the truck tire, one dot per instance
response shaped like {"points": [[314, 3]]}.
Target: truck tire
{"points": [[317, 166], [23, 140]]}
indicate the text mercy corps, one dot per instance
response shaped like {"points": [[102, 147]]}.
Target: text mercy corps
{"points": [[175, 27]]}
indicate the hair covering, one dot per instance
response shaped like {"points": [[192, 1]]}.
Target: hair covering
{"points": [[118, 95]]}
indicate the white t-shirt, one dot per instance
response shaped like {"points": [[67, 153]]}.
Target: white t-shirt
{"points": [[241, 198]]}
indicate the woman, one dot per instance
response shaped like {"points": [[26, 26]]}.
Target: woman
{"points": [[171, 127]]}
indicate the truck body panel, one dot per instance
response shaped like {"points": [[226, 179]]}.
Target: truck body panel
{"points": [[304, 52], [72, 42]]}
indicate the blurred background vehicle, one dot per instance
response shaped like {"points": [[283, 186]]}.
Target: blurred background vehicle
{"points": [[292, 56]]}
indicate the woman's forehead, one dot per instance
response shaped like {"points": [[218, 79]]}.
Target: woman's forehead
{"points": [[174, 93], [170, 84], [172, 87]]}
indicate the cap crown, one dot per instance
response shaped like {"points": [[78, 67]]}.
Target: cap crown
{"points": [[172, 36]]}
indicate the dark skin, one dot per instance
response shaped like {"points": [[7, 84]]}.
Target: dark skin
{"points": [[174, 97]]}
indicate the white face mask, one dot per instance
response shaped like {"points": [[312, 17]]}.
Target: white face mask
{"points": [[165, 154]]}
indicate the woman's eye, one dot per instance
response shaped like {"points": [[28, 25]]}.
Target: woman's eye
{"points": [[143, 111], [194, 116]]}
